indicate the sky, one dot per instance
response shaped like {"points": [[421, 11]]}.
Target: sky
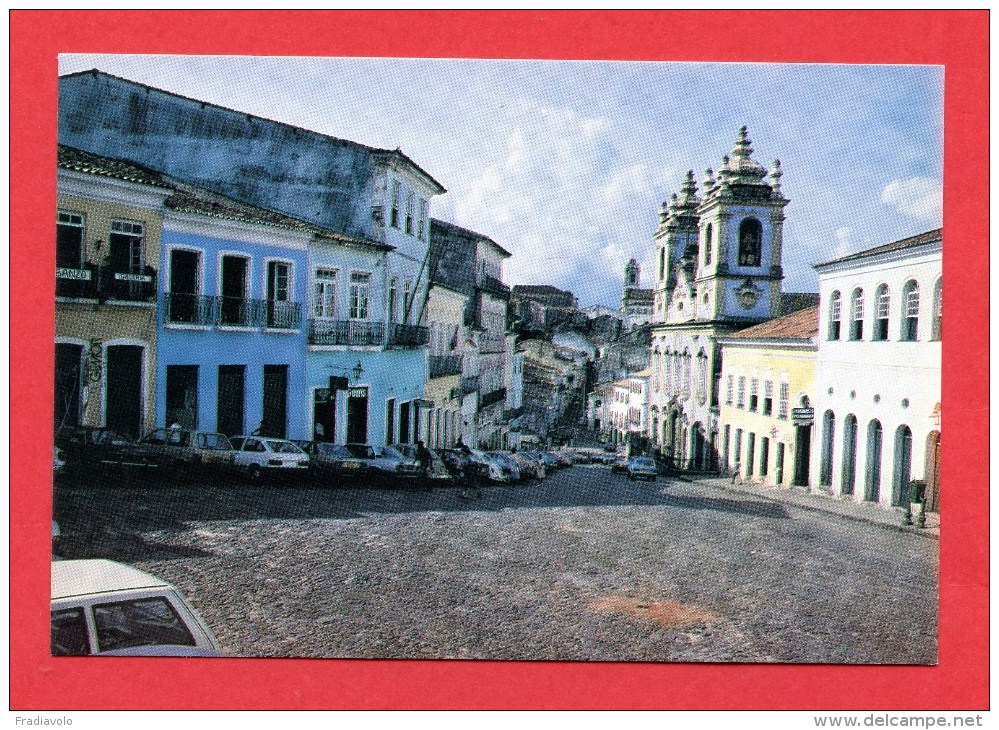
{"points": [[565, 163]]}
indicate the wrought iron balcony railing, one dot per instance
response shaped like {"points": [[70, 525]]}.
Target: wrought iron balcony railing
{"points": [[439, 366], [282, 315], [345, 332], [407, 335], [188, 309]]}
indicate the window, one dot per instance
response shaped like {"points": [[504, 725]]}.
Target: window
{"points": [[145, 622], [69, 240], [857, 315], [729, 388], [662, 263], [835, 305], [280, 310], [768, 397], [69, 633], [409, 212], [396, 194], [125, 246], [360, 295], [754, 394], [407, 299], [324, 306], [937, 329], [702, 377], [883, 303], [741, 399], [910, 313], [783, 400], [764, 456], [421, 230], [393, 302], [707, 244], [750, 242]]}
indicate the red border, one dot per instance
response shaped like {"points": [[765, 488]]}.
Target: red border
{"points": [[957, 40]]}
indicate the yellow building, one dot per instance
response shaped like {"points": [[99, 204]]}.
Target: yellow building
{"points": [[108, 228], [766, 417]]}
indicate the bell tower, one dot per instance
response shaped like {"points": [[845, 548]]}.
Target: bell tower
{"points": [[676, 248], [632, 273], [740, 222]]}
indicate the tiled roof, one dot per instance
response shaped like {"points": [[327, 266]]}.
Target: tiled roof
{"points": [[800, 325], [795, 301], [470, 233], [912, 241], [537, 289], [71, 158], [642, 373], [382, 153]]}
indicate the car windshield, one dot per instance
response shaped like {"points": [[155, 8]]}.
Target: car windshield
{"points": [[362, 451], [391, 453], [213, 441], [334, 451], [642, 461]]}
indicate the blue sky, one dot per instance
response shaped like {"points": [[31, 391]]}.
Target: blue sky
{"points": [[565, 163]]}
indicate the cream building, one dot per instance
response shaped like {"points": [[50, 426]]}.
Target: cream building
{"points": [[767, 385], [108, 231], [877, 399]]}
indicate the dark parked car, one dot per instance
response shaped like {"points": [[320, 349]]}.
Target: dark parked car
{"points": [[620, 464], [334, 465], [90, 446], [187, 451]]}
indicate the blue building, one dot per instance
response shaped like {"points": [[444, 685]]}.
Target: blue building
{"points": [[231, 336]]}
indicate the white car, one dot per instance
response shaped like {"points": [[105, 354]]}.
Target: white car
{"points": [[100, 607], [259, 455]]}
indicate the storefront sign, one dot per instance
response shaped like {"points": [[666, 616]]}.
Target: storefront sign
{"points": [[77, 274], [143, 278]]}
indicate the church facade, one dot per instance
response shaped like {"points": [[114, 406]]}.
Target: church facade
{"points": [[718, 270]]}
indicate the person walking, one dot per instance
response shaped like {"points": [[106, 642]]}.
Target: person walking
{"points": [[423, 462]]}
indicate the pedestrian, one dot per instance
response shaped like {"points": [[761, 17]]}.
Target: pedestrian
{"points": [[737, 472], [423, 462]]}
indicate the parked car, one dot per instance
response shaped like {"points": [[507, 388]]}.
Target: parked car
{"points": [[385, 463], [507, 462], [485, 468], [642, 467], [333, 464], [437, 471], [620, 464], [551, 462], [106, 608], [186, 451], [58, 460], [94, 446], [257, 456], [530, 464]]}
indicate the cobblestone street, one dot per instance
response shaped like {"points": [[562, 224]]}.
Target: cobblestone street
{"points": [[584, 566]]}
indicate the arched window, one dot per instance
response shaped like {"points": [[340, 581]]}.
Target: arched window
{"points": [[872, 481], [857, 315], [662, 263], [835, 314], [883, 304], [849, 454], [937, 329], [707, 244], [828, 434], [702, 376], [910, 312], [750, 242]]}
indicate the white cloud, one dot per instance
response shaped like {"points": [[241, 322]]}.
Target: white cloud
{"points": [[918, 197], [844, 242]]}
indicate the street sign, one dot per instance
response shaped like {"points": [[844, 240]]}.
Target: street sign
{"points": [[802, 416]]}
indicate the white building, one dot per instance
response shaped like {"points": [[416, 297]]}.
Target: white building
{"points": [[718, 271], [629, 408], [877, 400]]}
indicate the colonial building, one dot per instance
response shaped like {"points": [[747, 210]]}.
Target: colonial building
{"points": [[545, 307], [718, 270], [629, 410], [368, 275], [231, 355], [636, 302], [767, 386], [108, 229], [877, 395]]}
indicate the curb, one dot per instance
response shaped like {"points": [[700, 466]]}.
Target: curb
{"points": [[929, 533]]}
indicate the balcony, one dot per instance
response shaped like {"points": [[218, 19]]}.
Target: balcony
{"points": [[439, 366], [407, 335], [193, 309], [282, 315], [489, 399], [345, 332]]}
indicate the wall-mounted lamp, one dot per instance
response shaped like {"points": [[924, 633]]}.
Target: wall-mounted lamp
{"points": [[356, 371]]}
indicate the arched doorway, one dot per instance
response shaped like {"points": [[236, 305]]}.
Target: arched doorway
{"points": [[849, 472], [802, 444], [872, 474], [828, 434], [903, 466], [698, 450]]}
